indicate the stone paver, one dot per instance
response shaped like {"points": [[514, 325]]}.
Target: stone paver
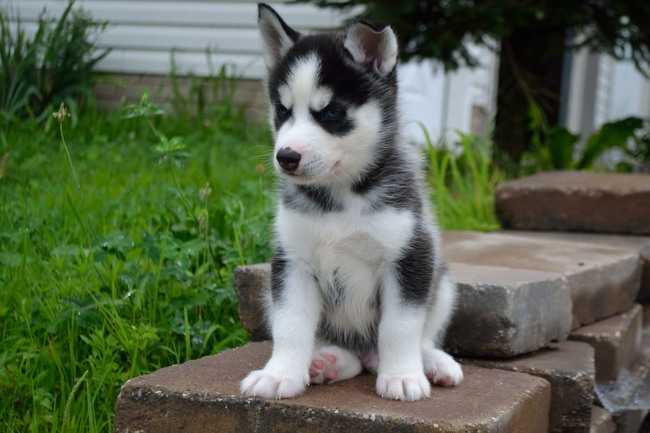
{"points": [[604, 280], [251, 282], [569, 368], [202, 397], [630, 421], [601, 421], [503, 312], [616, 340], [576, 201], [644, 292], [634, 244]]}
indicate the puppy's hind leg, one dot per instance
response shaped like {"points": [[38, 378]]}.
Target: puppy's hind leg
{"points": [[333, 364], [439, 367]]}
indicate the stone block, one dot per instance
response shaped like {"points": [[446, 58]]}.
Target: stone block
{"points": [[616, 340], [503, 312], [569, 368], [635, 244], [251, 282], [202, 396], [644, 292], [603, 280], [576, 201], [601, 421]]}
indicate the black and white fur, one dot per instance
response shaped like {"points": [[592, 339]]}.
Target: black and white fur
{"points": [[357, 280]]}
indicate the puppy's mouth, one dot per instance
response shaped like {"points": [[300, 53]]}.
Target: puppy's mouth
{"points": [[313, 172]]}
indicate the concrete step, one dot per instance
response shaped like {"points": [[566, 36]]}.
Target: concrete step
{"points": [[576, 201], [202, 396], [630, 421], [601, 421], [603, 279], [569, 368], [517, 293], [616, 340], [634, 244]]}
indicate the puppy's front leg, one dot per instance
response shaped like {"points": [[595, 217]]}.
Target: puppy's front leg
{"points": [[400, 374], [294, 315]]}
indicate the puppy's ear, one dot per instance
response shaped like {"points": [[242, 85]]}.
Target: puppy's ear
{"points": [[277, 36], [376, 49]]}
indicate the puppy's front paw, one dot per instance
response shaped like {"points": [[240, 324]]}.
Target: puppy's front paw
{"points": [[261, 383], [408, 387]]}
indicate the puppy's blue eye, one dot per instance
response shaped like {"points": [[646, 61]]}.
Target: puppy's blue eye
{"points": [[282, 112], [332, 113]]}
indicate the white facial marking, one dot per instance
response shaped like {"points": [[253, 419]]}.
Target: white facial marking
{"points": [[286, 99], [321, 98], [303, 81]]}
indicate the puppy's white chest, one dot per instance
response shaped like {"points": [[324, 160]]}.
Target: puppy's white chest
{"points": [[352, 236]]}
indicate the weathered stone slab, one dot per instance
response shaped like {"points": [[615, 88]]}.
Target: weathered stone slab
{"points": [[601, 421], [569, 367], [501, 312], [630, 421], [634, 244], [202, 396], [644, 292], [617, 342], [604, 280], [505, 312], [576, 201]]}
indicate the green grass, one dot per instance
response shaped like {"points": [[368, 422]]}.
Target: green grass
{"points": [[117, 248], [127, 272], [463, 182]]}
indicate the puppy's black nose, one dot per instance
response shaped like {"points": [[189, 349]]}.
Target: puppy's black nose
{"points": [[288, 159]]}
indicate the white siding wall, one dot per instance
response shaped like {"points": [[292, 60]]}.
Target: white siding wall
{"points": [[604, 89], [144, 33]]}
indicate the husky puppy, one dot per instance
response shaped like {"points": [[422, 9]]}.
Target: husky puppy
{"points": [[357, 278]]}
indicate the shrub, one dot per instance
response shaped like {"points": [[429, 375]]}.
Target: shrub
{"points": [[556, 148], [54, 65]]}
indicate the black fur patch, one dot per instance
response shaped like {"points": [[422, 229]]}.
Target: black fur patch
{"points": [[278, 274], [398, 185], [334, 119], [281, 114], [350, 340], [415, 267], [309, 198]]}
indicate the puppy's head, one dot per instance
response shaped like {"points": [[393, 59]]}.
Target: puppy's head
{"points": [[332, 97]]}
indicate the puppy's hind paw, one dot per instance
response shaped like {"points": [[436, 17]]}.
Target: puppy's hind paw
{"points": [[442, 369], [332, 364]]}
